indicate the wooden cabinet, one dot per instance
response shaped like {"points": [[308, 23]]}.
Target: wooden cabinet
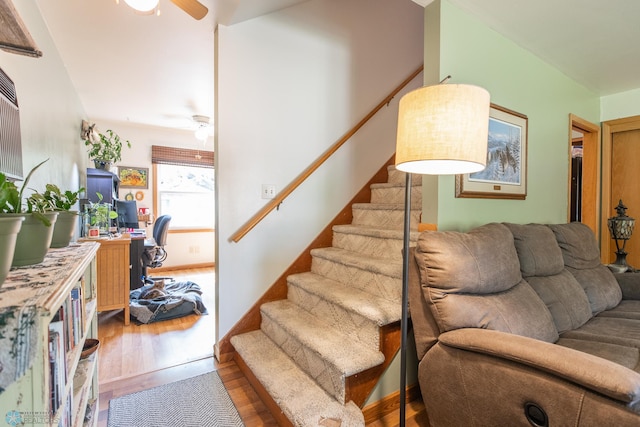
{"points": [[114, 272], [47, 311]]}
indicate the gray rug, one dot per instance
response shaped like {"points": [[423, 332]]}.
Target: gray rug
{"points": [[201, 401]]}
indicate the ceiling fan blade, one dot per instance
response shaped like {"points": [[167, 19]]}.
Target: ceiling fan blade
{"points": [[193, 7]]}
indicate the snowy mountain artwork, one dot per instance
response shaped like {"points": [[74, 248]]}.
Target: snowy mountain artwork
{"points": [[504, 150]]}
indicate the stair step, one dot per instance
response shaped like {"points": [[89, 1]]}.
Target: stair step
{"points": [[324, 353], [384, 215], [393, 193], [399, 177], [354, 312], [378, 276], [299, 397], [376, 242]]}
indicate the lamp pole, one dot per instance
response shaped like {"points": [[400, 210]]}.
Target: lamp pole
{"points": [[405, 298]]}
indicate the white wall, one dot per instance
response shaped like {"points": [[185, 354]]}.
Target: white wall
{"points": [[50, 110], [290, 84], [183, 249]]}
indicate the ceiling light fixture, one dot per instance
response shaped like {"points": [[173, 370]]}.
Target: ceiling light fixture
{"points": [[202, 127], [142, 5]]}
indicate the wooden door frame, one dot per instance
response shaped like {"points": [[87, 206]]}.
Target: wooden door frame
{"points": [[592, 164], [608, 206]]}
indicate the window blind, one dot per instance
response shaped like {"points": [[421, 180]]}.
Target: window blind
{"points": [[181, 156]]}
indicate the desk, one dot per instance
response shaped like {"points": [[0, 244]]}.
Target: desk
{"points": [[113, 262]]}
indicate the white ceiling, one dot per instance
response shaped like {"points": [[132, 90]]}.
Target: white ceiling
{"points": [[159, 70], [144, 69]]}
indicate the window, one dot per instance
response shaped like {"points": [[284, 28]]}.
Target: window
{"points": [[184, 187]]}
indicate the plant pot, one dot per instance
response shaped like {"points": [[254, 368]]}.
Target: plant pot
{"points": [[102, 164], [9, 228], [33, 240], [64, 228]]}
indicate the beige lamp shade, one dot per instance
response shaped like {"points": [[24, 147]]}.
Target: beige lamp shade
{"points": [[443, 129]]}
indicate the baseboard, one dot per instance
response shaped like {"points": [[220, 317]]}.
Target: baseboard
{"points": [[378, 410], [182, 267]]}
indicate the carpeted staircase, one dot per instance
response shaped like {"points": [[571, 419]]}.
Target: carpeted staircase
{"points": [[313, 346]]}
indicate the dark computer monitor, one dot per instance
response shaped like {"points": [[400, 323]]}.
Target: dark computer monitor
{"points": [[127, 213]]}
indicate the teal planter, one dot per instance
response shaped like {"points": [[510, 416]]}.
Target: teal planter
{"points": [[63, 229], [9, 228], [33, 240]]}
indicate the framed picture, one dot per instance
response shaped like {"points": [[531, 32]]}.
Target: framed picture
{"points": [[131, 177], [505, 176]]}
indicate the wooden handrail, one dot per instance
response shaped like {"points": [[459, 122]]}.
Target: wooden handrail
{"points": [[275, 202]]}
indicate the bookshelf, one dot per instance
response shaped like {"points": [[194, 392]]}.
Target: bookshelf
{"points": [[47, 312]]}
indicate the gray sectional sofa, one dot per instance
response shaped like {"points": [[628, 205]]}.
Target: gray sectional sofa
{"points": [[520, 325]]}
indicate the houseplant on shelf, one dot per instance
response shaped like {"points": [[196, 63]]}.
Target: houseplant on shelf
{"points": [[67, 221], [104, 148], [98, 215], [34, 237], [9, 227]]}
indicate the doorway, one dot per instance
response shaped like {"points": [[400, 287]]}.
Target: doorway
{"points": [[620, 166], [584, 172]]}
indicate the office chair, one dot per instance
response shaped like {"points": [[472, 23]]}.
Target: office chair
{"points": [[154, 253]]}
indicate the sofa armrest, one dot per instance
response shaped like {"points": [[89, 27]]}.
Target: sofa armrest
{"points": [[586, 370], [630, 285]]}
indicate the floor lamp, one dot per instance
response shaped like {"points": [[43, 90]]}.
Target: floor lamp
{"points": [[442, 130]]}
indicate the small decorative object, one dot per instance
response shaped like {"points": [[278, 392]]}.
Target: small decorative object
{"points": [[621, 228], [129, 196], [90, 346], [505, 176], [104, 148], [131, 177], [139, 196]]}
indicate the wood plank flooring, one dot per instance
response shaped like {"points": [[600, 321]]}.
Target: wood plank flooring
{"points": [[138, 357]]}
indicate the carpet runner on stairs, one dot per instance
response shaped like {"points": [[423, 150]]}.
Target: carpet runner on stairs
{"points": [[328, 328]]}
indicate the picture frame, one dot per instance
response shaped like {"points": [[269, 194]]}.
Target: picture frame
{"points": [[133, 177], [505, 176]]}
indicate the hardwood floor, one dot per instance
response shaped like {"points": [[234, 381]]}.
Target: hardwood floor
{"points": [[138, 357]]}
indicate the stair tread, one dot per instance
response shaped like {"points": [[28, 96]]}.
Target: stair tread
{"points": [[301, 399], [379, 310], [383, 206], [364, 230], [344, 354], [385, 266], [414, 183]]}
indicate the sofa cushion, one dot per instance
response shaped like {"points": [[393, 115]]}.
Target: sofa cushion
{"points": [[581, 256], [542, 266], [473, 280], [537, 249]]}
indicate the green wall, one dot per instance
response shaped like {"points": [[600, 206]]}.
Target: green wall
{"points": [[516, 79]]}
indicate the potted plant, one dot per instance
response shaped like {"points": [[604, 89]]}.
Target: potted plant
{"points": [[34, 237], [9, 226], [98, 215], [104, 148], [67, 221]]}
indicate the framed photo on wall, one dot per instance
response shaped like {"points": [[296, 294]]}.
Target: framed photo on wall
{"points": [[505, 176], [131, 177]]}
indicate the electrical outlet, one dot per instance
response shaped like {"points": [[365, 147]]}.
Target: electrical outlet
{"points": [[268, 191]]}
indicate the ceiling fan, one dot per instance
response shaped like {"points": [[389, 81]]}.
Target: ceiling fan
{"points": [[193, 7]]}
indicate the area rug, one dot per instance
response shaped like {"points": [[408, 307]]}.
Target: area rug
{"points": [[200, 401]]}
